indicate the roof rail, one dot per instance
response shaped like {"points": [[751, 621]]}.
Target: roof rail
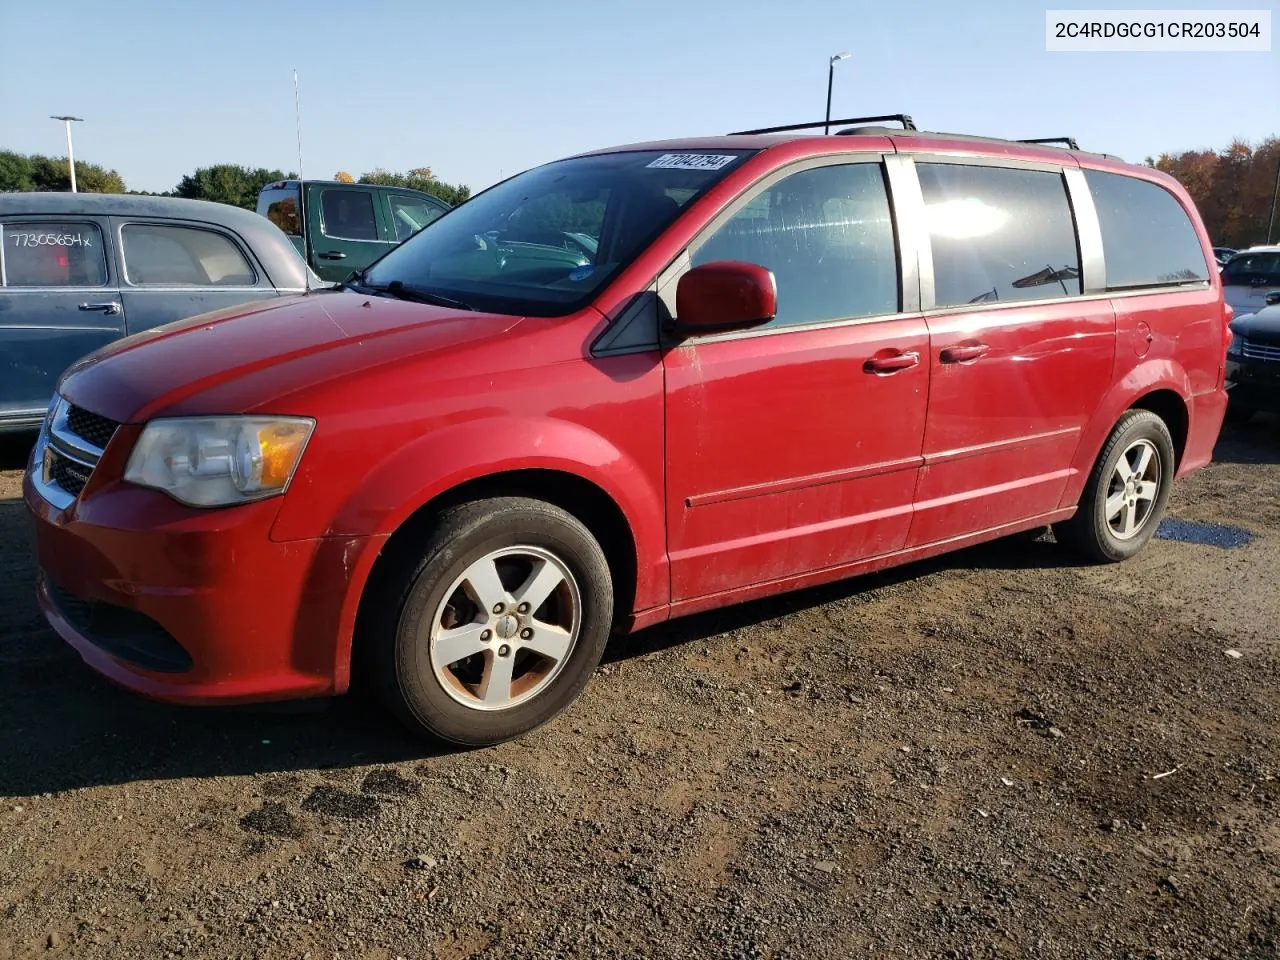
{"points": [[902, 118], [1066, 141]]}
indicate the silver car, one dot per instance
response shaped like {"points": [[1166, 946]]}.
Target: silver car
{"points": [[1249, 276]]}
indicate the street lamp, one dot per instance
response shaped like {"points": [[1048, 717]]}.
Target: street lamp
{"points": [[831, 72], [71, 157]]}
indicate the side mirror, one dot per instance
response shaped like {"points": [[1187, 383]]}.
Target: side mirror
{"points": [[724, 295], [1272, 298]]}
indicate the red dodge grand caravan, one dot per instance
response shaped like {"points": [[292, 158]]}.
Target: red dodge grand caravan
{"points": [[623, 387]]}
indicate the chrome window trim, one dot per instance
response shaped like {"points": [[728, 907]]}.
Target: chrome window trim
{"points": [[910, 213], [1093, 264]]}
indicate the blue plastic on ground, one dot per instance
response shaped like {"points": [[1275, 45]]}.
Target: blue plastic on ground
{"points": [[1207, 534]]}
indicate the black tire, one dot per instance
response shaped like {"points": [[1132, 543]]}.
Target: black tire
{"points": [[1088, 533], [403, 672]]}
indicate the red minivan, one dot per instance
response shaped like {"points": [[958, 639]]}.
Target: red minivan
{"points": [[622, 387]]}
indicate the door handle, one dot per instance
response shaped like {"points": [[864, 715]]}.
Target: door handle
{"points": [[107, 308], [892, 363], [962, 352], [332, 255]]}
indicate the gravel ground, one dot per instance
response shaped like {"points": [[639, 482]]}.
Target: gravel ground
{"points": [[995, 754]]}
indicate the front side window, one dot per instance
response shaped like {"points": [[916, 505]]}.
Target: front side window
{"points": [[1147, 237], [998, 234], [411, 214], [164, 256], [827, 236], [545, 242], [348, 215], [52, 254]]}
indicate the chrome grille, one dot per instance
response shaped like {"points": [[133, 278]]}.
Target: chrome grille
{"points": [[70, 446], [90, 427], [71, 475], [1253, 350]]}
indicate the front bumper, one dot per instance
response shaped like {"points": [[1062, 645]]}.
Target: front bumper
{"points": [[1254, 384], [188, 605]]}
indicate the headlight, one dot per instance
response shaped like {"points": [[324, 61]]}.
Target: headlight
{"points": [[1236, 347], [218, 461]]}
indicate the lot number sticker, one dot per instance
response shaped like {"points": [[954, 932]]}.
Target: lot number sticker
{"points": [[50, 240], [692, 161]]}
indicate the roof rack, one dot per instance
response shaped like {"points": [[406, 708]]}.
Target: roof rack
{"points": [[1065, 141], [902, 118]]}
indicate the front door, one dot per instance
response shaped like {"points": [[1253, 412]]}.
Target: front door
{"points": [[59, 301], [345, 231], [794, 447], [171, 271], [1019, 360]]}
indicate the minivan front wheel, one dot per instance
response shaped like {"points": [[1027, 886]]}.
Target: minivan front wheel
{"points": [[1126, 493], [502, 621]]}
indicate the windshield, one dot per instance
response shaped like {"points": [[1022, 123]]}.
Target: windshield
{"points": [[1249, 269], [546, 241]]}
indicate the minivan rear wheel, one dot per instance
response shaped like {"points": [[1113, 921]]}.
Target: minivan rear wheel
{"points": [[1126, 493], [499, 625]]}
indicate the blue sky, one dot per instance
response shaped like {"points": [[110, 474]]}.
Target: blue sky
{"points": [[479, 90]]}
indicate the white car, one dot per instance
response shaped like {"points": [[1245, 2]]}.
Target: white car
{"points": [[1249, 276]]}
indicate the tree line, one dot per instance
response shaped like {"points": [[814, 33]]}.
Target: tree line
{"points": [[1233, 188], [222, 182]]}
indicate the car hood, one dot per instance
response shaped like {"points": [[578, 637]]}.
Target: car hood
{"points": [[1265, 324], [141, 376]]}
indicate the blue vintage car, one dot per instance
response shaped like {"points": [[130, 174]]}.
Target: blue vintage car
{"points": [[79, 270]]}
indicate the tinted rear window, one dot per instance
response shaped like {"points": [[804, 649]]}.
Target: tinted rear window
{"points": [[280, 206], [998, 234], [1147, 238], [1250, 269], [52, 254]]}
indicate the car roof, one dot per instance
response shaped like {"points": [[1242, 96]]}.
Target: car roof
{"points": [[850, 131], [270, 244]]}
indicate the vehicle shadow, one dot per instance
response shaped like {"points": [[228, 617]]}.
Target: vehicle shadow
{"points": [[67, 728], [1257, 441]]}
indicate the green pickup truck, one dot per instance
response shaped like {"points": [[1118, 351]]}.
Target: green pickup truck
{"points": [[344, 227]]}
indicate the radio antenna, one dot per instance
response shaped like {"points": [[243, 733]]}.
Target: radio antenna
{"points": [[302, 184]]}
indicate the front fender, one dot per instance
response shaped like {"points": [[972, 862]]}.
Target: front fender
{"points": [[449, 456], [1146, 377]]}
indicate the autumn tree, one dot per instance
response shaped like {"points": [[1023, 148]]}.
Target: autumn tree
{"points": [[1232, 188], [343, 177]]}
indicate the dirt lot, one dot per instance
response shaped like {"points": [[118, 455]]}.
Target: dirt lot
{"points": [[992, 755]]}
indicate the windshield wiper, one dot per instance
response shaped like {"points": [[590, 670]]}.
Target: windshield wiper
{"points": [[397, 289]]}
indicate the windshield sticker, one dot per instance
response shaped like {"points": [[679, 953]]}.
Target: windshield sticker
{"points": [[692, 161], [582, 272]]}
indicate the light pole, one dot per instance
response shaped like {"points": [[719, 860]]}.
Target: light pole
{"points": [[71, 157], [831, 73], [1275, 197]]}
